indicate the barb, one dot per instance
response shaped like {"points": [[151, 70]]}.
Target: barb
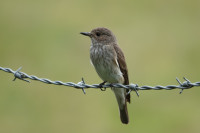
{"points": [[81, 85]]}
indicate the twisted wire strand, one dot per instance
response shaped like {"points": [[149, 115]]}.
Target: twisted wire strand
{"points": [[81, 85]]}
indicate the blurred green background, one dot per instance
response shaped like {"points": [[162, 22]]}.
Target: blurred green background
{"points": [[160, 39]]}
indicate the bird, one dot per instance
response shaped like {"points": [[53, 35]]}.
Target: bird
{"points": [[109, 62]]}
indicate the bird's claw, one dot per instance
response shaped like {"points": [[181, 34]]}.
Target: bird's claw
{"points": [[101, 86]]}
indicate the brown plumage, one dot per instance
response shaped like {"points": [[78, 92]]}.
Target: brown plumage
{"points": [[109, 62], [123, 68]]}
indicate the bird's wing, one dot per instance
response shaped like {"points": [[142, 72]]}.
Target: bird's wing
{"points": [[123, 67]]}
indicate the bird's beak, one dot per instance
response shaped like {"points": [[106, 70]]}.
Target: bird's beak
{"points": [[86, 33]]}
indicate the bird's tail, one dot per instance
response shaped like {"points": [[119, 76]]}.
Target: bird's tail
{"points": [[124, 114], [121, 100]]}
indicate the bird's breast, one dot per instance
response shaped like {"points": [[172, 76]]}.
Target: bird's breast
{"points": [[104, 59]]}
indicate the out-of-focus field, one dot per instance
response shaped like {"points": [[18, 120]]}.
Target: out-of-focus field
{"points": [[160, 39]]}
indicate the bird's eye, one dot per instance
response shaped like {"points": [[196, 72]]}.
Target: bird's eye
{"points": [[98, 34]]}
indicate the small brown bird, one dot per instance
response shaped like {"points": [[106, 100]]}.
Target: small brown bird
{"points": [[109, 62]]}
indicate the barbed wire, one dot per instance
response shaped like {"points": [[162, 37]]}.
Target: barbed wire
{"points": [[81, 85]]}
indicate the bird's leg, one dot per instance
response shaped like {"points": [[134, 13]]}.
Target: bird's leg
{"points": [[101, 85]]}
